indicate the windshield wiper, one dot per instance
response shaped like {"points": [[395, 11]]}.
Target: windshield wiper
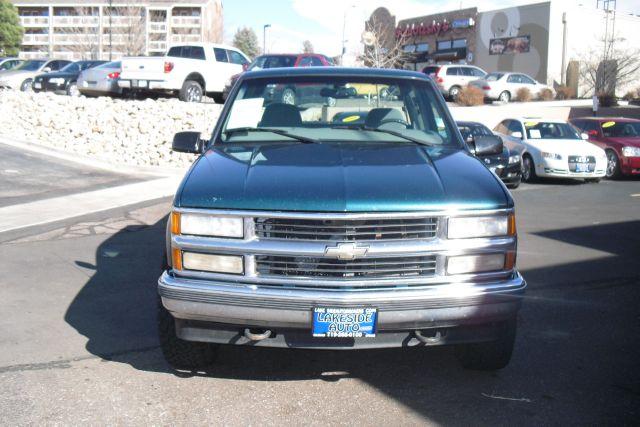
{"points": [[387, 131], [300, 138]]}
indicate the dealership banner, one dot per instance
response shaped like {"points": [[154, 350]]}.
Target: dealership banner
{"points": [[507, 45]]}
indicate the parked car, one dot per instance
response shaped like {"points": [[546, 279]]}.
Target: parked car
{"points": [[504, 86], [9, 63], [21, 77], [64, 81], [620, 139], [190, 71], [554, 149], [451, 78], [101, 80], [281, 60], [507, 164], [292, 231]]}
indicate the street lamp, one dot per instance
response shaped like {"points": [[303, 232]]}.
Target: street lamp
{"points": [[264, 37], [344, 24]]}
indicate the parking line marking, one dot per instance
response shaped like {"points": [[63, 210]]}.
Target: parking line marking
{"points": [[74, 205], [635, 195]]}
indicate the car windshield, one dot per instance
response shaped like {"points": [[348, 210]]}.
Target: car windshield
{"points": [[332, 109], [74, 67], [492, 77], [550, 130], [30, 65], [111, 65], [473, 130], [621, 129], [273, 61]]}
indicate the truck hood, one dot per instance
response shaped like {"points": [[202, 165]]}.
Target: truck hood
{"points": [[340, 177]]}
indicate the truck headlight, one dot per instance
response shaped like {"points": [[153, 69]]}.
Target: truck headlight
{"points": [[553, 156], [514, 159], [207, 225], [475, 263], [466, 227], [232, 264], [631, 151]]}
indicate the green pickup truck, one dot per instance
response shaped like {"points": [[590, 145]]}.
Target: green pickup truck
{"points": [[351, 215]]}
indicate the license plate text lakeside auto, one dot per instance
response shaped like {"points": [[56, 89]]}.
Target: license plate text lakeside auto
{"points": [[344, 322]]}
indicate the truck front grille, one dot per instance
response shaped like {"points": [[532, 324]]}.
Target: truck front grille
{"points": [[300, 266], [342, 230]]}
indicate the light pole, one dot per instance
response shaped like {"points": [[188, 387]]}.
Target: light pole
{"points": [[344, 24], [264, 37]]}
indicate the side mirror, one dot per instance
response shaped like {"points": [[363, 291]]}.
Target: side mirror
{"points": [[584, 136], [46, 70], [516, 135], [487, 145], [187, 142]]}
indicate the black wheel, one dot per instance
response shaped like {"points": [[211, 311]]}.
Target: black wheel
{"points": [[492, 355], [528, 169], [26, 86], [613, 165], [288, 96], [593, 180], [513, 185], [454, 91], [218, 97], [504, 97], [182, 354], [191, 91], [72, 89]]}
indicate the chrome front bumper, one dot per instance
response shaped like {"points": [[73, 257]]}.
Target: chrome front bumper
{"points": [[408, 308]]}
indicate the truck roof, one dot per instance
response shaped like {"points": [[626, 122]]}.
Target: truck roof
{"points": [[334, 71]]}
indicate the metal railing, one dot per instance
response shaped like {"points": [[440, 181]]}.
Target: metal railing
{"points": [[35, 38], [32, 21]]}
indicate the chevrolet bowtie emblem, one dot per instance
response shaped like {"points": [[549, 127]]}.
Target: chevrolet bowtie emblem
{"points": [[346, 251]]}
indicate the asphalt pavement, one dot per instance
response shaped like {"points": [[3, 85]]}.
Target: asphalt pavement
{"points": [[78, 335]]}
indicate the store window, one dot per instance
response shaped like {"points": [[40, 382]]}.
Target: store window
{"points": [[410, 48], [459, 43], [444, 45], [422, 47]]}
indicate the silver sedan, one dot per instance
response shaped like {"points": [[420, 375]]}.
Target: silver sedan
{"points": [[101, 80]]}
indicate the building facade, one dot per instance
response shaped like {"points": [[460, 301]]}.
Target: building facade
{"points": [[110, 29]]}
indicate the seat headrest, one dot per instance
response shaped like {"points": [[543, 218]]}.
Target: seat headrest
{"points": [[379, 116], [281, 115]]}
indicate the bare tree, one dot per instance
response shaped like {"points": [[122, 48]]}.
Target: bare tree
{"points": [[128, 27], [383, 49], [215, 32], [603, 69], [307, 47], [82, 37]]}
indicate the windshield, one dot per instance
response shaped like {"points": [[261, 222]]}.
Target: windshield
{"points": [[492, 77], [111, 65], [468, 131], [332, 109], [74, 67], [275, 61], [550, 130], [30, 65], [621, 129]]}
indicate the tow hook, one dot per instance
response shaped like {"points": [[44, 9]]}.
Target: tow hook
{"points": [[256, 337], [435, 338]]}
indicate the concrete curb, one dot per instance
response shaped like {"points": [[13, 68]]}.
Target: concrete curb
{"points": [[94, 162]]}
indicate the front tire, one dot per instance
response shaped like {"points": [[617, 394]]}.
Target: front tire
{"points": [[490, 356], [191, 91], [72, 90], [181, 354], [593, 180], [613, 165], [513, 185], [528, 169], [454, 91], [504, 97], [26, 86]]}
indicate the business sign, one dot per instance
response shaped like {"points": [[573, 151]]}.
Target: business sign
{"points": [[462, 23], [423, 30], [509, 45]]}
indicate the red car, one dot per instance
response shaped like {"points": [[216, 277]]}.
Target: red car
{"points": [[282, 60], [619, 137]]}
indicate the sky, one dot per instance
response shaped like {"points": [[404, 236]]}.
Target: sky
{"points": [[322, 21]]}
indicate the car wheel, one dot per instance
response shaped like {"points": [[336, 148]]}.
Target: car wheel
{"points": [[492, 355], [593, 180], [454, 92], [513, 185], [288, 96], [504, 97], [613, 165], [191, 91], [72, 89], [528, 169], [26, 86]]}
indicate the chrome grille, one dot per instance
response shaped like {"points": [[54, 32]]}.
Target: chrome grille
{"points": [[344, 230], [298, 266]]}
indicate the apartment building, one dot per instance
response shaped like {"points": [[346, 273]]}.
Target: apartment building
{"points": [[110, 29]]}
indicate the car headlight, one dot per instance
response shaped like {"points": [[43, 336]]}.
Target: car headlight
{"points": [[514, 159], [631, 151], [466, 227], [553, 156], [207, 225]]}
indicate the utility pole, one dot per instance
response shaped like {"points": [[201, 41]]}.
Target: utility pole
{"points": [[264, 38], [563, 71], [609, 7]]}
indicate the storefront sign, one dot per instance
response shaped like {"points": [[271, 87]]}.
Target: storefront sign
{"points": [[423, 30], [462, 23], [507, 45]]}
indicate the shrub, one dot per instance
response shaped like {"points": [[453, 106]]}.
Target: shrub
{"points": [[607, 99], [545, 94], [470, 95], [632, 94], [565, 92], [523, 95]]}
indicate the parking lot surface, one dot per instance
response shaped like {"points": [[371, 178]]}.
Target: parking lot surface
{"points": [[79, 340]]}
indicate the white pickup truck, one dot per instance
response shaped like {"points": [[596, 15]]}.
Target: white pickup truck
{"points": [[189, 70]]}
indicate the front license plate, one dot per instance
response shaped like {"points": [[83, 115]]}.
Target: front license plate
{"points": [[582, 167], [37, 85], [344, 322]]}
